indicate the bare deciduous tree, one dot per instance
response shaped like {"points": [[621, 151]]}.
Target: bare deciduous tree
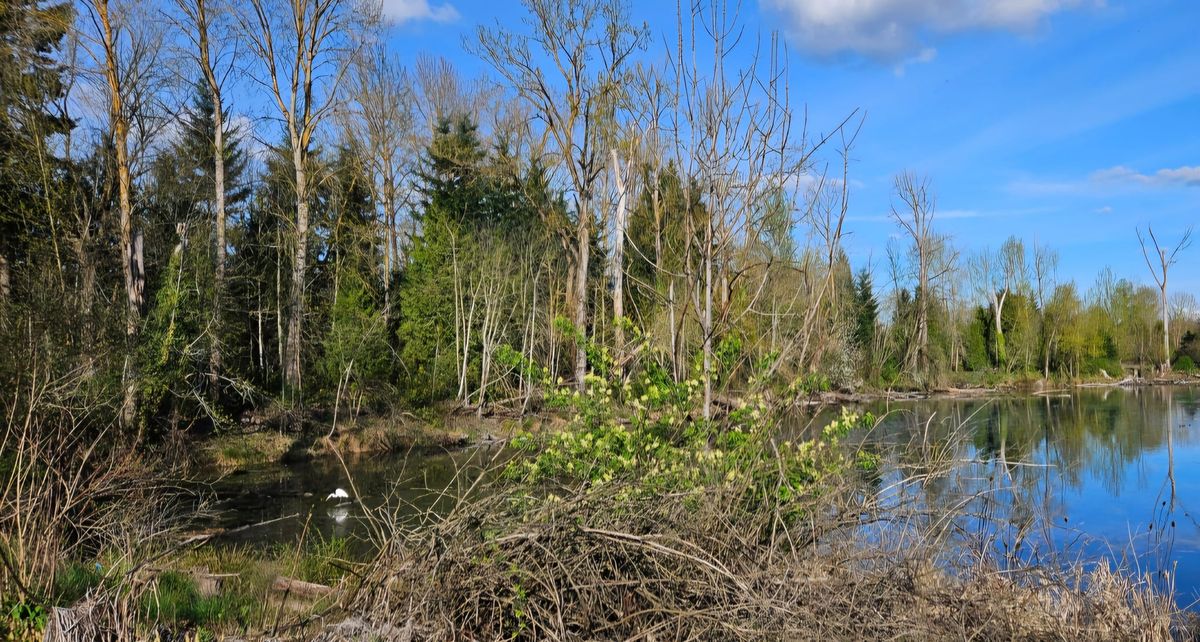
{"points": [[1165, 258], [623, 180], [1045, 266], [124, 48], [382, 123], [996, 276], [742, 159], [916, 219], [588, 44], [198, 19], [304, 48]]}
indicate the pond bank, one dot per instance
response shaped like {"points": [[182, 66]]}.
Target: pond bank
{"points": [[1014, 387], [259, 439], [736, 552]]}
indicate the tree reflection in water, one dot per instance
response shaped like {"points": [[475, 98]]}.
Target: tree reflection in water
{"points": [[1084, 473]]}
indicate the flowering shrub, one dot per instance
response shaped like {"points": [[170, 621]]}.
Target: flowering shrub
{"points": [[650, 429]]}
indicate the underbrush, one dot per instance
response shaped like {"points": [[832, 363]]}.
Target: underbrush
{"points": [[644, 521], [220, 591], [94, 541], [599, 565], [207, 593], [82, 511], [232, 451]]}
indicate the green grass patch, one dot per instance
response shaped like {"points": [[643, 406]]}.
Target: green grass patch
{"points": [[319, 560], [176, 599], [239, 451], [74, 581]]}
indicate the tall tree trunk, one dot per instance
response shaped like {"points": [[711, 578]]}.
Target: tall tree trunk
{"points": [[618, 262], [527, 349], [583, 248], [214, 355], [5, 280], [656, 203], [1165, 261], [279, 348], [87, 294], [707, 322], [131, 264], [262, 364], [551, 315], [998, 316], [389, 209], [677, 376], [295, 326], [1166, 362], [199, 14], [923, 320], [1046, 357]]}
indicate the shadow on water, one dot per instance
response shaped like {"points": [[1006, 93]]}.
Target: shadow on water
{"points": [[409, 483]]}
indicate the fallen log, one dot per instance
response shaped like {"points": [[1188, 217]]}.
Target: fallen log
{"points": [[299, 587]]}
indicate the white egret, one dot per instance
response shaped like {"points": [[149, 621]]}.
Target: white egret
{"points": [[338, 493]]}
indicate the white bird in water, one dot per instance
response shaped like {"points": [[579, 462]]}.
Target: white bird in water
{"points": [[339, 514], [338, 493]]}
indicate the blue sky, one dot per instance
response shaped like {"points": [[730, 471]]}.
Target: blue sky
{"points": [[1066, 122]]}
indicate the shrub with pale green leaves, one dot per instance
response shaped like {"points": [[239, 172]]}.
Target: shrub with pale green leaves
{"points": [[649, 429]]}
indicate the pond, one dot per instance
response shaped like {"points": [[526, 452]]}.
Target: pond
{"points": [[273, 503], [1105, 472], [1091, 474]]}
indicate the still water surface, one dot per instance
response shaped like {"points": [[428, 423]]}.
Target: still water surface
{"points": [[1103, 473]]}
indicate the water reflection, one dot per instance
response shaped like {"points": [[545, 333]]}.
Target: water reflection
{"points": [[1091, 473], [404, 483]]}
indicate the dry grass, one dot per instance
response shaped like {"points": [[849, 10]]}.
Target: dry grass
{"points": [[75, 490], [597, 565], [384, 434], [241, 450]]}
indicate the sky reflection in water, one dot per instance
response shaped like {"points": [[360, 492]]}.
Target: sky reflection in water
{"points": [[1113, 470]]}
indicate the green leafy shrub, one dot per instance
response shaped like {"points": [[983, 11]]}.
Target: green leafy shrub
{"points": [[811, 383], [650, 429], [1110, 366], [22, 621], [1185, 364]]}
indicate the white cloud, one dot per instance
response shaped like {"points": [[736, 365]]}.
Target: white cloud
{"points": [[401, 11], [898, 30], [1185, 176], [927, 55], [1114, 180]]}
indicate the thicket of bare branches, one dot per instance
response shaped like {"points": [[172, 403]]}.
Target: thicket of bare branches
{"points": [[73, 488], [594, 564]]}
